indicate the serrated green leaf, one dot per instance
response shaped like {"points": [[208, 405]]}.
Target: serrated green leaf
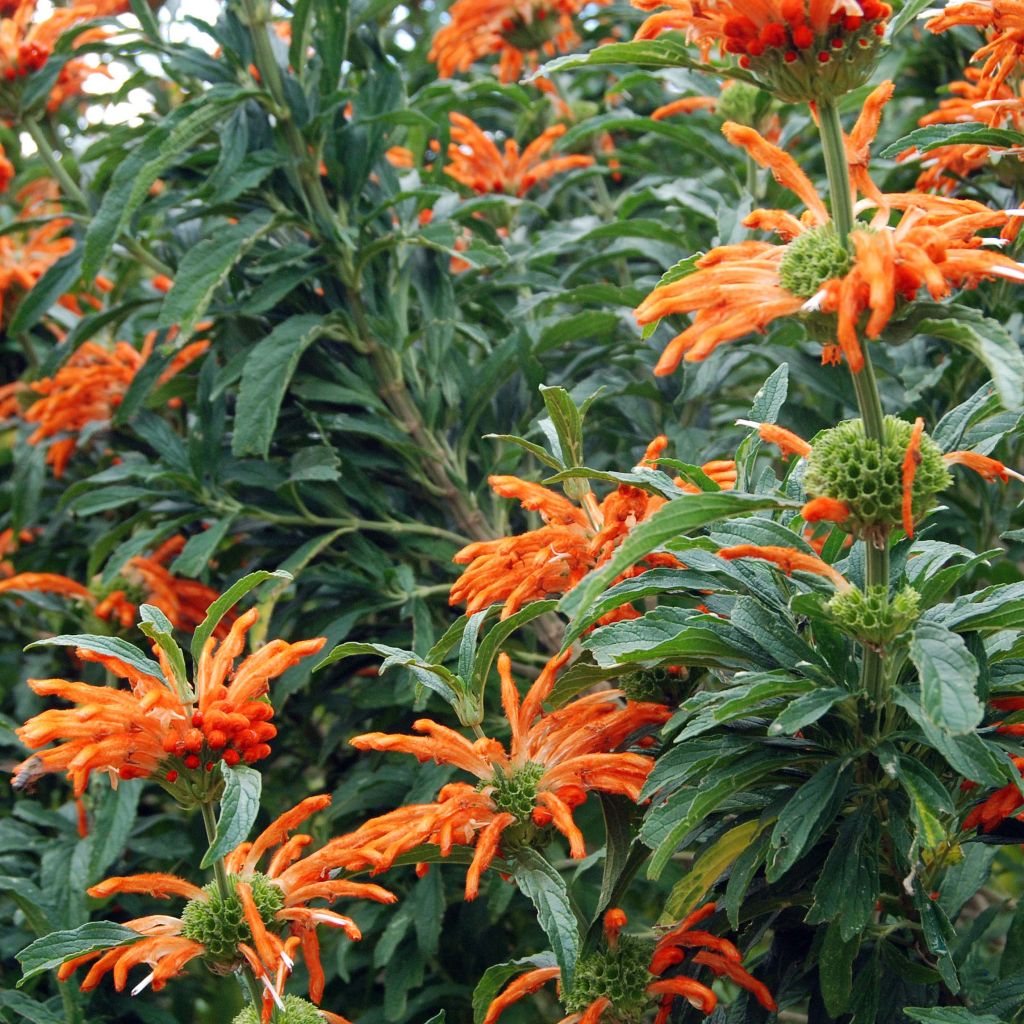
{"points": [[239, 806], [226, 602], [54, 949], [110, 645], [949, 678], [546, 889]]}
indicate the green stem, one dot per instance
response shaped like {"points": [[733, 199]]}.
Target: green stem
{"points": [[56, 167], [226, 892], [865, 384]]}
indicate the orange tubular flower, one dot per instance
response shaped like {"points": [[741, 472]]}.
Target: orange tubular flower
{"points": [[148, 729], [554, 760], [637, 967], [743, 288], [477, 163], [88, 388], [910, 463], [520, 31], [789, 560], [802, 50], [573, 540], [786, 441], [989, 469], [1002, 804], [830, 510], [274, 903], [1003, 23]]}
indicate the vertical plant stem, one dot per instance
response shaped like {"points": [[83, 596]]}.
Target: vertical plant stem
{"points": [[226, 892], [56, 167], [865, 384]]}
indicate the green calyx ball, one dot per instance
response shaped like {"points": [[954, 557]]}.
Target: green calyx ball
{"points": [[296, 1011], [619, 974], [517, 793], [744, 103], [811, 259], [220, 925], [868, 477], [871, 617]]}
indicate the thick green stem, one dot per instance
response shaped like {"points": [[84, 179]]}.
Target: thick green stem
{"points": [[225, 890], [56, 167], [865, 385]]}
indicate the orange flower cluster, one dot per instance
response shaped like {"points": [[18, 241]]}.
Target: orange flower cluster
{"points": [[1002, 21], [183, 601], [151, 729], [290, 882], [27, 42], [743, 288], [519, 31], [719, 955], [573, 540], [88, 388], [972, 101], [553, 761], [477, 163]]}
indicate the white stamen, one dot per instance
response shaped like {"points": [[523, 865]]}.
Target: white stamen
{"points": [[813, 304], [273, 992], [145, 983], [748, 423], [997, 242], [1014, 213], [1014, 273], [287, 960]]}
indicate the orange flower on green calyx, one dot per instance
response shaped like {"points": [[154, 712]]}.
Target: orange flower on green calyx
{"points": [[88, 388], [149, 730], [27, 41], [1001, 22], [477, 163], [800, 50], [264, 922], [971, 101], [552, 762], [147, 581], [740, 289], [624, 978], [573, 540], [521, 32]]}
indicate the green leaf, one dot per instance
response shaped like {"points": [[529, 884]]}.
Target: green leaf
{"points": [[205, 266], [496, 637], [568, 424], [835, 970], [54, 949], [929, 801], [806, 816], [154, 624], [110, 645], [545, 887], [999, 607], [199, 549], [672, 520], [712, 863], [495, 978], [535, 450], [102, 499], [948, 1015], [226, 602], [57, 281], [949, 678], [28, 1009], [269, 368], [959, 134], [807, 709], [239, 806]]}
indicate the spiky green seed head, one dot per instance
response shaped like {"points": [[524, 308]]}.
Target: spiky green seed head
{"points": [[871, 617], [619, 974], [811, 259], [516, 793], [296, 1011], [868, 477], [220, 925]]}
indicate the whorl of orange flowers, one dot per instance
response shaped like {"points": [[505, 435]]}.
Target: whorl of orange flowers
{"points": [[740, 289], [972, 101], [279, 917], [183, 601], [477, 163], [573, 540], [719, 955], [1002, 23], [519, 31], [552, 762], [150, 728], [88, 388]]}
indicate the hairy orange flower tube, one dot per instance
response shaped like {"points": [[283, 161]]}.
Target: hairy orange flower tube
{"points": [[739, 289], [789, 560], [88, 388], [519, 31], [149, 729], [638, 967], [477, 163], [553, 761], [573, 540], [277, 917]]}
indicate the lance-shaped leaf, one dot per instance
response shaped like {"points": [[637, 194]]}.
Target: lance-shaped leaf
{"points": [[226, 602], [109, 645], [546, 889], [54, 949], [158, 628], [949, 678], [238, 809]]}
